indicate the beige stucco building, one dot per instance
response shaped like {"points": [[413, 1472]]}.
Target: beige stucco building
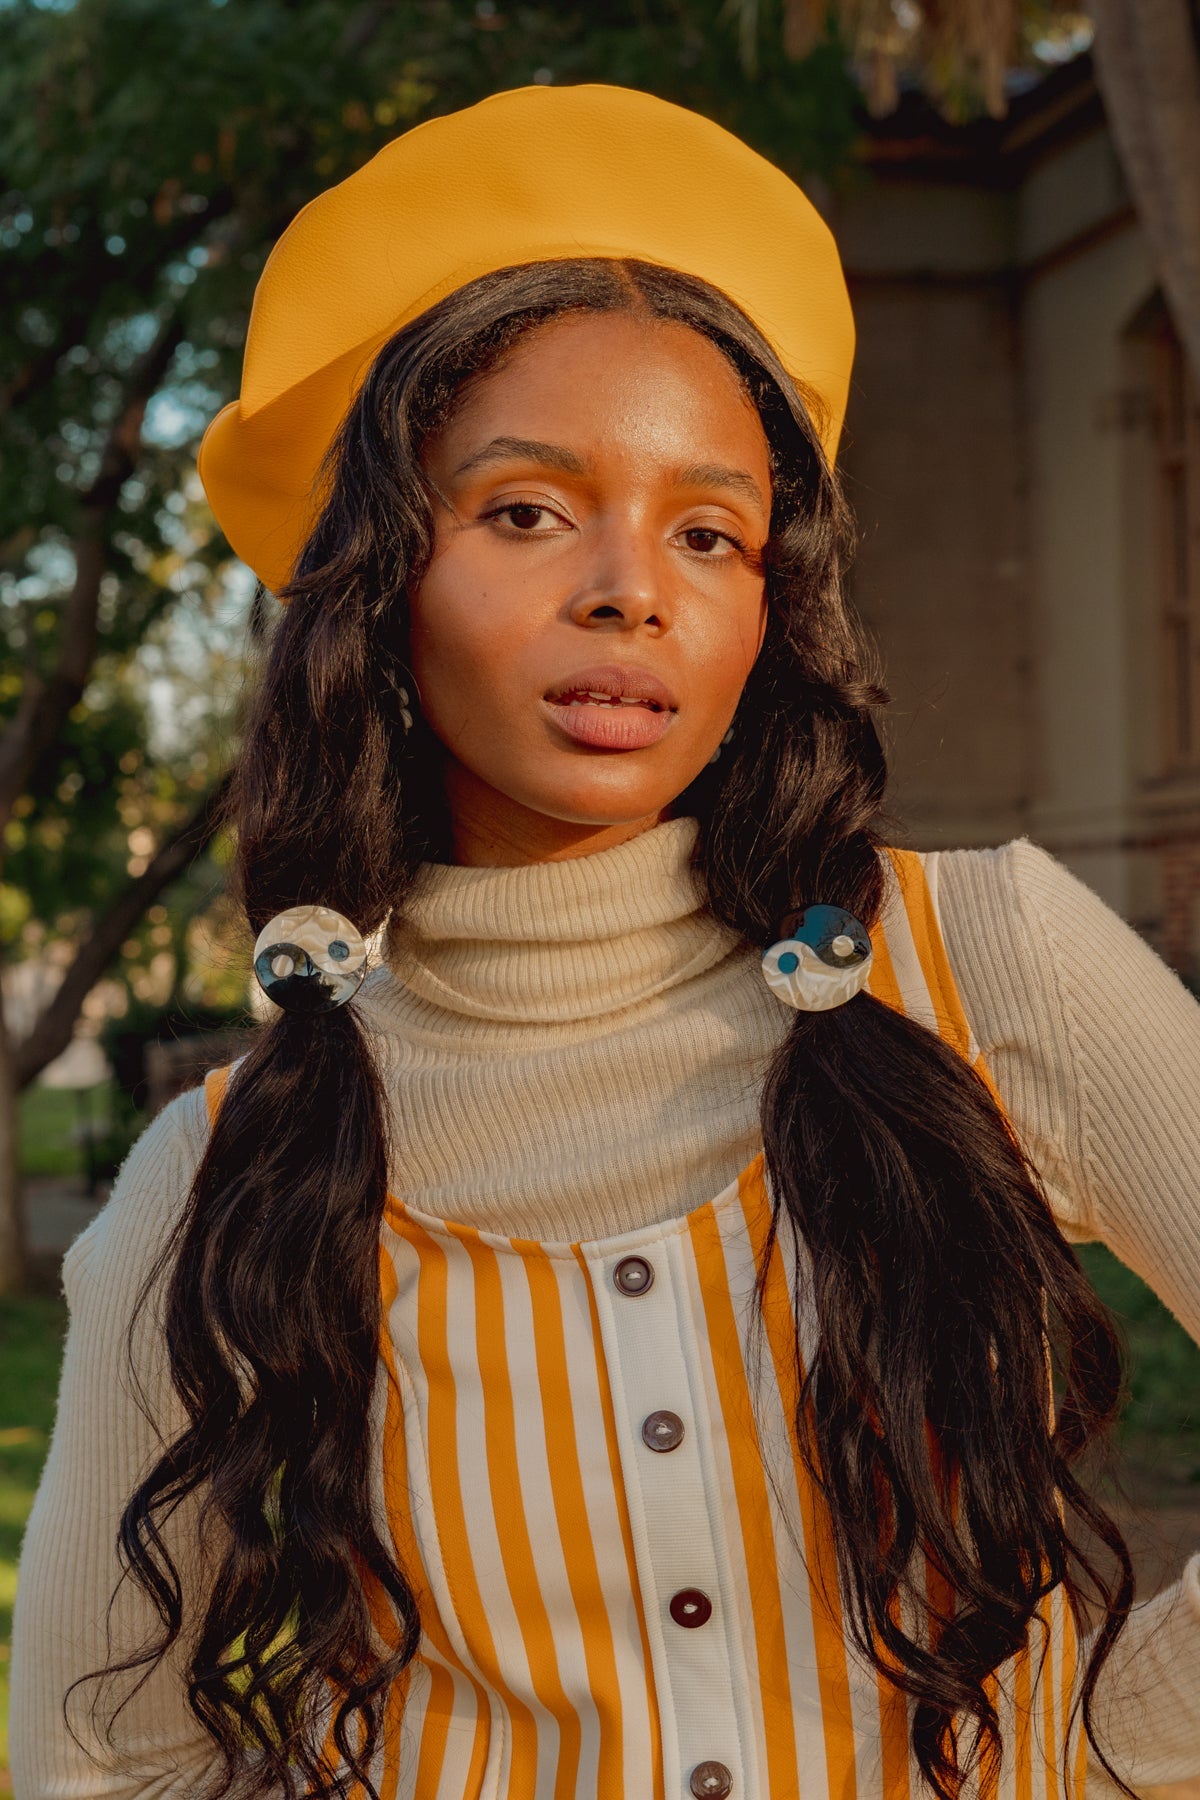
{"points": [[1023, 454]]}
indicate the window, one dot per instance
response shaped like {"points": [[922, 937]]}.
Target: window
{"points": [[1177, 418]]}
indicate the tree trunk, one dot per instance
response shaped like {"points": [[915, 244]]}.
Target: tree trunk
{"points": [[14, 1252], [1147, 57], [52, 1031]]}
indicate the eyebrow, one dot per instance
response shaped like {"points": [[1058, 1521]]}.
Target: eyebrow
{"points": [[717, 475], [557, 456], [501, 449]]}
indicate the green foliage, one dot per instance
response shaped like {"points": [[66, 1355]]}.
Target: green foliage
{"points": [[799, 114], [46, 858], [1164, 1398]]}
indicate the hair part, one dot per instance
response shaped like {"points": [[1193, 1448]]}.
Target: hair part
{"points": [[948, 1303]]}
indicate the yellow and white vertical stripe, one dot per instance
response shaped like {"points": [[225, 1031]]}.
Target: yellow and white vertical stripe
{"points": [[547, 1540]]}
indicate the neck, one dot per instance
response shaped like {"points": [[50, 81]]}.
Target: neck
{"points": [[489, 830]]}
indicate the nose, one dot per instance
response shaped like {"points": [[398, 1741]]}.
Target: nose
{"points": [[624, 585]]}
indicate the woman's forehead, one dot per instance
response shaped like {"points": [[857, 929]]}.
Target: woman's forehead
{"points": [[574, 386]]}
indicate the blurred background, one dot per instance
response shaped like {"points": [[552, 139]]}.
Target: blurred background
{"points": [[1015, 187]]}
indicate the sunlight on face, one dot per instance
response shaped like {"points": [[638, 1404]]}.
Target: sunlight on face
{"points": [[595, 600]]}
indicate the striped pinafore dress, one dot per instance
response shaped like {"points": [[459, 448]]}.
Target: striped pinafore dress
{"points": [[624, 1571]]}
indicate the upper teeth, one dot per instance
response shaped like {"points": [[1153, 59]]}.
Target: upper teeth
{"points": [[606, 699]]}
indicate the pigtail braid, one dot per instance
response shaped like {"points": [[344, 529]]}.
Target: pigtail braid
{"points": [[272, 1306], [944, 1293]]}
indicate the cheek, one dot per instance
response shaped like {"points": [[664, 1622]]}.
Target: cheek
{"points": [[727, 648], [467, 636]]}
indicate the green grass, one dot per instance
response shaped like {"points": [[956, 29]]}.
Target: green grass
{"points": [[1160, 1429], [31, 1336], [49, 1123]]}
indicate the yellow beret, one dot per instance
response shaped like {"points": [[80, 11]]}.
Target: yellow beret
{"points": [[529, 175]]}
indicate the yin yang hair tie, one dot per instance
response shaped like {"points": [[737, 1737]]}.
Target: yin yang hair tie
{"points": [[823, 961], [310, 959]]}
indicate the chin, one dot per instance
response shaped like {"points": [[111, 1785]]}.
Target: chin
{"points": [[600, 803]]}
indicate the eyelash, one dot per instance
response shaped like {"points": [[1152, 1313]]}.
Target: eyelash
{"points": [[729, 537], [498, 512]]}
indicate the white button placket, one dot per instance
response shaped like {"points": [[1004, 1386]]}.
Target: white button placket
{"points": [[675, 1516]]}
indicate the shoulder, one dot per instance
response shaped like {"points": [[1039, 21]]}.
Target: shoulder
{"points": [[1017, 875], [148, 1195], [996, 899], [1024, 936], [1021, 895], [1017, 864], [1009, 943], [1007, 873], [1047, 967]]}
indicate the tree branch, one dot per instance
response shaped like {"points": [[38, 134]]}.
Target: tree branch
{"points": [[45, 702], [361, 29], [53, 1030], [364, 26], [40, 368]]}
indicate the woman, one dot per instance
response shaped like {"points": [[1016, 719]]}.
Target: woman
{"points": [[570, 1363]]}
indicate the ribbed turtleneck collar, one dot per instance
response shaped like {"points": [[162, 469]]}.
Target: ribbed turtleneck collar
{"points": [[558, 941]]}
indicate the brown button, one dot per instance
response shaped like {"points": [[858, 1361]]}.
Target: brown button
{"points": [[690, 1607], [633, 1275], [711, 1781], [662, 1431]]}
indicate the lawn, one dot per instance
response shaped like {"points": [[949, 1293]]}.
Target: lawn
{"points": [[1161, 1428], [1159, 1434], [50, 1126]]}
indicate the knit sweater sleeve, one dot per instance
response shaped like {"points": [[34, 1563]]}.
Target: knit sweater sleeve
{"points": [[1094, 1045], [103, 1442]]}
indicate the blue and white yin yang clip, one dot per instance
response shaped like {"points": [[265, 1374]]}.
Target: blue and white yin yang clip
{"points": [[823, 963]]}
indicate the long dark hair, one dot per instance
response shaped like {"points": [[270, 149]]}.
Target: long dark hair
{"points": [[953, 1317]]}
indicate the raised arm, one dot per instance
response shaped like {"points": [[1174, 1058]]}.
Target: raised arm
{"points": [[1094, 1044]]}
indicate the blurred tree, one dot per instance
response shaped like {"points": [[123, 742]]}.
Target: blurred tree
{"points": [[1147, 55], [151, 151], [961, 52]]}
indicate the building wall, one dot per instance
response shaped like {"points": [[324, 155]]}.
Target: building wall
{"points": [[1078, 296], [999, 455], [934, 473]]}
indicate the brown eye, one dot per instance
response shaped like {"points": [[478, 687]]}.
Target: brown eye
{"points": [[705, 539], [525, 518]]}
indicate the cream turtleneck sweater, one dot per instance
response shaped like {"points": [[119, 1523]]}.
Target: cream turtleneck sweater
{"points": [[574, 1050], [593, 998]]}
